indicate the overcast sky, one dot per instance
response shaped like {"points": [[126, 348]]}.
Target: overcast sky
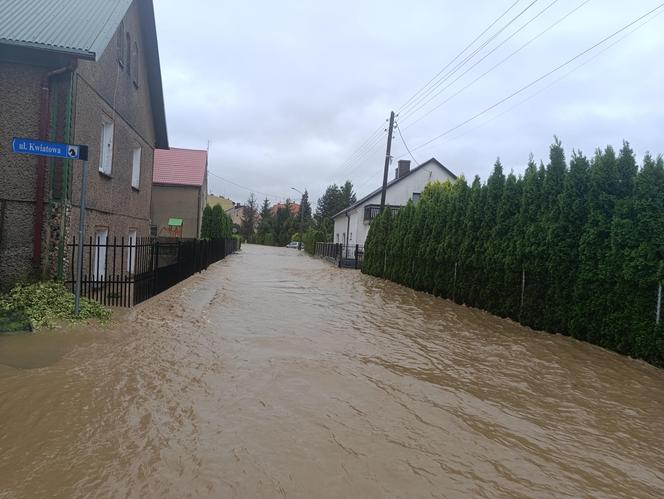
{"points": [[287, 91]]}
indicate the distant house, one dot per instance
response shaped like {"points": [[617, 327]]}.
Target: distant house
{"points": [[351, 225], [225, 203], [294, 208], [80, 73], [236, 213], [179, 191]]}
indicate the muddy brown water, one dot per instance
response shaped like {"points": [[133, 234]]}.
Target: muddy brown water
{"points": [[277, 375]]}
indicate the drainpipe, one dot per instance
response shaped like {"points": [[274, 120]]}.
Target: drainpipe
{"points": [[347, 228], [44, 105]]}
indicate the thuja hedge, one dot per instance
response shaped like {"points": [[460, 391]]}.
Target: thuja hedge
{"points": [[586, 238]]}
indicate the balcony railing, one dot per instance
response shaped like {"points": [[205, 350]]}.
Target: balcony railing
{"points": [[371, 211]]}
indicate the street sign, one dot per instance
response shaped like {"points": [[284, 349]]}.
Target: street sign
{"points": [[44, 148]]}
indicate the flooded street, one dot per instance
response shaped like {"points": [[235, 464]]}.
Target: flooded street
{"points": [[277, 375]]}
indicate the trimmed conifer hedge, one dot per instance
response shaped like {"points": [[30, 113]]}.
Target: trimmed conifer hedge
{"points": [[576, 249]]}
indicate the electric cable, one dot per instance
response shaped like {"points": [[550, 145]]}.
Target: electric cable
{"points": [[537, 80]]}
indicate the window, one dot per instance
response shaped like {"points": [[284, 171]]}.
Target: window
{"points": [[131, 250], [99, 244], [343, 238], [136, 167], [416, 197], [134, 56], [120, 37], [106, 146]]}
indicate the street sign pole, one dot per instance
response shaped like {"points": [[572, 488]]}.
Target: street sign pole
{"points": [[81, 229], [35, 147]]}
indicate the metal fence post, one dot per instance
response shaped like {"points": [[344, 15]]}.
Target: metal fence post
{"points": [[155, 275], [659, 303], [523, 289]]}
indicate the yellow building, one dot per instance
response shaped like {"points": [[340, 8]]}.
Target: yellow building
{"points": [[225, 203]]}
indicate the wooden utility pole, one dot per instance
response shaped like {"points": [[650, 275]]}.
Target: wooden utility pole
{"points": [[388, 153]]}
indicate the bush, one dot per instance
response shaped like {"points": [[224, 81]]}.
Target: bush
{"points": [[46, 303]]}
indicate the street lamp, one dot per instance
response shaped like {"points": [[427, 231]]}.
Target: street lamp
{"points": [[301, 245]]}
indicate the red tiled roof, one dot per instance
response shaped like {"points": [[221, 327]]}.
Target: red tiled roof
{"points": [[179, 166], [294, 208]]}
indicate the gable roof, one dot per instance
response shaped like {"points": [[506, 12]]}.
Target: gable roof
{"points": [[83, 29], [431, 161], [179, 167]]}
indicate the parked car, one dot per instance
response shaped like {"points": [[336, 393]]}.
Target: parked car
{"points": [[293, 244]]}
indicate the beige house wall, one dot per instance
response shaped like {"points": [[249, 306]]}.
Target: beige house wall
{"points": [[173, 201]]}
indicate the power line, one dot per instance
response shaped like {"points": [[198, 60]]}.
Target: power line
{"points": [[364, 150], [247, 188], [468, 58], [376, 133], [543, 89], [406, 145], [457, 56], [512, 35], [537, 80]]}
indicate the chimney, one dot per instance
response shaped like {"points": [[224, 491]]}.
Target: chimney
{"points": [[404, 168]]}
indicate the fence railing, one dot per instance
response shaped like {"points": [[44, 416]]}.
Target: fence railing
{"points": [[124, 272], [350, 256]]}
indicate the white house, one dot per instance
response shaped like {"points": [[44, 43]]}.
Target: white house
{"points": [[351, 225]]}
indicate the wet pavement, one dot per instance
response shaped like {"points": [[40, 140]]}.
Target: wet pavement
{"points": [[274, 374]]}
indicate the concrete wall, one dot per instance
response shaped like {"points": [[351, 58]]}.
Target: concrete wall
{"points": [[397, 194], [174, 201]]}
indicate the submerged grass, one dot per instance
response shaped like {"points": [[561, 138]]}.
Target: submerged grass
{"points": [[44, 304]]}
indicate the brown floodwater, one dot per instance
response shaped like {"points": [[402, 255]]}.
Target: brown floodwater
{"points": [[273, 374]]}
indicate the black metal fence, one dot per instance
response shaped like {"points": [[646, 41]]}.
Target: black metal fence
{"points": [[123, 273], [349, 256]]}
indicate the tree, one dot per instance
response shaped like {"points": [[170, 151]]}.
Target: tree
{"points": [[589, 239], [334, 200], [265, 224], [305, 210], [206, 223], [249, 217]]}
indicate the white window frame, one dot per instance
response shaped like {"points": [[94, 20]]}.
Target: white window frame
{"points": [[106, 146], [131, 250], [136, 154], [100, 242]]}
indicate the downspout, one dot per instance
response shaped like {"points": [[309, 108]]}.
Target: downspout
{"points": [[44, 111], [347, 228]]}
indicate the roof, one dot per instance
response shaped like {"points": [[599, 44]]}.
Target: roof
{"points": [[83, 29], [179, 167], [226, 204], [395, 181], [78, 27], [294, 208]]}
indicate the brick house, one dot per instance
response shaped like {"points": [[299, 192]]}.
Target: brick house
{"points": [[90, 75], [179, 191]]}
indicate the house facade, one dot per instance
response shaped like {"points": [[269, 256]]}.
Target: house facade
{"points": [[91, 77], [179, 191], [351, 225]]}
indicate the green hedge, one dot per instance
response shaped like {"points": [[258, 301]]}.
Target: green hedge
{"points": [[588, 237]]}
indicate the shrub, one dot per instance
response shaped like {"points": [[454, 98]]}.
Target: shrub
{"points": [[46, 303]]}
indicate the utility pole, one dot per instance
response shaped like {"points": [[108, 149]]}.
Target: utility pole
{"points": [[388, 153]]}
